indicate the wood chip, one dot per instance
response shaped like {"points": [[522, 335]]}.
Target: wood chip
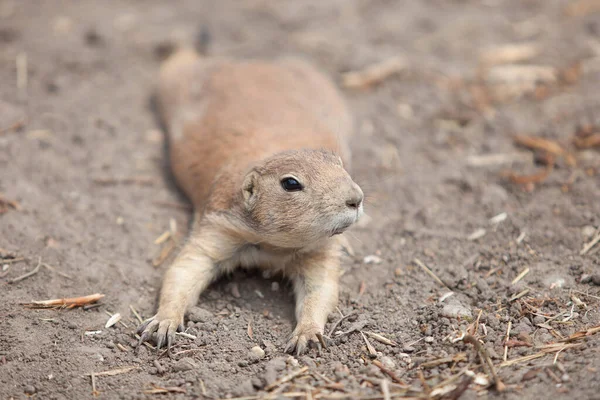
{"points": [[65, 303], [509, 53], [113, 320], [539, 143], [374, 74], [514, 74]]}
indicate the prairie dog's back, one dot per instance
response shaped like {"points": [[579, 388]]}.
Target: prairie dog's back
{"points": [[224, 115]]}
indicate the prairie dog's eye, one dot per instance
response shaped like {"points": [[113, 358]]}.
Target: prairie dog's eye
{"points": [[291, 184]]}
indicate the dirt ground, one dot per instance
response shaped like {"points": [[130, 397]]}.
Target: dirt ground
{"points": [[82, 160]]}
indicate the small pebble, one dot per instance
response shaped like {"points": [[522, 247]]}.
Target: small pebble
{"points": [[596, 280], [429, 339], [372, 259], [274, 286], [185, 364], [29, 389], [258, 352], [388, 362]]}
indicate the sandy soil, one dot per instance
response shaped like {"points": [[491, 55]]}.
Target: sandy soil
{"points": [[82, 156]]}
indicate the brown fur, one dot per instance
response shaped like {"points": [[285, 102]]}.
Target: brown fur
{"points": [[236, 129]]}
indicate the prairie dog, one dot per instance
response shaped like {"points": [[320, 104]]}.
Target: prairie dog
{"points": [[260, 149]]}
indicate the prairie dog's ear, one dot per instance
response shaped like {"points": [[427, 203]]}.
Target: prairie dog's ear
{"points": [[249, 188]]}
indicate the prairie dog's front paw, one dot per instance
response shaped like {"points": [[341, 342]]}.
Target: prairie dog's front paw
{"points": [[303, 335], [165, 328]]}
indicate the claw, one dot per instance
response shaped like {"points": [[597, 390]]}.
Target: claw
{"points": [[321, 341], [145, 335], [143, 325], [159, 341]]}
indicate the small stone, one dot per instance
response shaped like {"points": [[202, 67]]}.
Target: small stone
{"points": [[372, 259], [29, 389], [538, 319], [565, 378], [388, 362], [309, 362], [274, 286], [71, 325], [398, 272], [588, 231], [585, 278], [110, 345], [429, 339], [596, 280], [454, 309], [258, 352], [197, 314], [185, 364]]}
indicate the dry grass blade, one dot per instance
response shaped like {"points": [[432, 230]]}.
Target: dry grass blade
{"points": [[370, 348], [114, 372], [339, 321], [582, 334], [136, 180], [380, 339], [374, 74], [520, 276], [446, 360], [65, 303], [590, 244], [286, 378], [165, 252], [385, 389], [137, 315], [429, 272], [250, 330], [160, 390], [389, 373]]}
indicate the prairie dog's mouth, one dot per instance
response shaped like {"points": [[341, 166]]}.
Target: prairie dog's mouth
{"points": [[345, 223]]}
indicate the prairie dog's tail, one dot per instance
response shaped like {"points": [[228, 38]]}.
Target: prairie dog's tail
{"points": [[179, 77]]}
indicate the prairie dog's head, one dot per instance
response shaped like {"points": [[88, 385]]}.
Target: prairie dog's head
{"points": [[297, 198]]}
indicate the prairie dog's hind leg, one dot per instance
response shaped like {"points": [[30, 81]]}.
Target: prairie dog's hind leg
{"points": [[191, 272]]}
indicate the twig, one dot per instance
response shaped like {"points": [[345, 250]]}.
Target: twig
{"points": [[51, 268], [486, 360], [27, 275], [12, 260], [429, 272], [286, 378], [187, 335], [339, 321]]}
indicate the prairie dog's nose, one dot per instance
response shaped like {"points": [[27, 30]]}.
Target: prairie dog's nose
{"points": [[355, 197]]}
